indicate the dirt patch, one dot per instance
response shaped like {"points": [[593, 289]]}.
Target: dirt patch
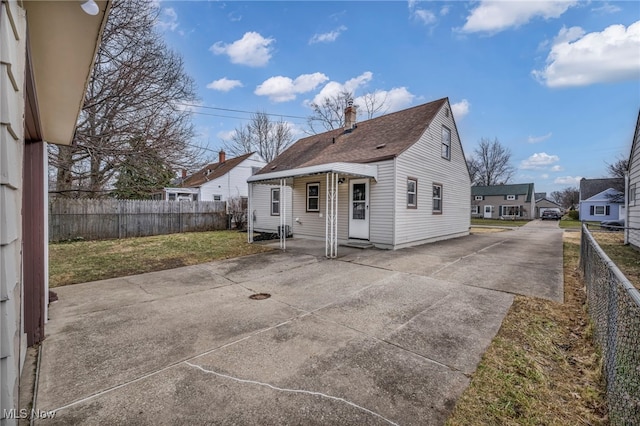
{"points": [[478, 230]]}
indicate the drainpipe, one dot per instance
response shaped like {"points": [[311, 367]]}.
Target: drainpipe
{"points": [[626, 207]]}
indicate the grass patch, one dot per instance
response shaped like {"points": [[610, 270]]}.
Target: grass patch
{"points": [[498, 222], [484, 230], [541, 367], [83, 261], [567, 223], [624, 256]]}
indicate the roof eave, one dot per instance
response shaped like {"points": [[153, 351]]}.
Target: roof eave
{"points": [[350, 169]]}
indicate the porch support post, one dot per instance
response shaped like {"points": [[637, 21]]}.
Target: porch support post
{"points": [[250, 215], [331, 221], [283, 216]]}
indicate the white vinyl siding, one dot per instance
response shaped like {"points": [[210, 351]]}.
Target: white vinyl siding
{"points": [[232, 184], [12, 69], [383, 202], [263, 221], [633, 212], [424, 161]]}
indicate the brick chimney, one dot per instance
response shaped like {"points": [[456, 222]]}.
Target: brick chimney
{"points": [[349, 116], [222, 156]]}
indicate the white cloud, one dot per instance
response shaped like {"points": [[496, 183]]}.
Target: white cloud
{"points": [[568, 180], [226, 135], [282, 89], [394, 100], [538, 139], [460, 109], [333, 88], [579, 59], [495, 16], [606, 8], [557, 168], [252, 50], [425, 16], [539, 161], [544, 176], [167, 19], [224, 84], [329, 37], [444, 10]]}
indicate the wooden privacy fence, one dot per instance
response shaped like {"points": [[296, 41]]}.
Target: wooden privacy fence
{"points": [[108, 219]]}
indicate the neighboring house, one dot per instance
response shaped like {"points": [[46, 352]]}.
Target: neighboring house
{"points": [[217, 181], [393, 181], [600, 199], [632, 233], [47, 49], [512, 201], [543, 203]]}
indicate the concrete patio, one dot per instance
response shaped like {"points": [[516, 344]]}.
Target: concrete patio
{"points": [[374, 337]]}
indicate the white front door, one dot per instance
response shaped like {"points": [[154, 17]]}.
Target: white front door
{"points": [[359, 209], [487, 212]]}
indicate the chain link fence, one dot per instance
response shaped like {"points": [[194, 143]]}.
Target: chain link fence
{"points": [[614, 308]]}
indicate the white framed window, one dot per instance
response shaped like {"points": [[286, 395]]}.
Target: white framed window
{"points": [[632, 195], [275, 202], [437, 198], [313, 197], [511, 197], [475, 209], [511, 211], [217, 198], [479, 198], [601, 210], [412, 193], [446, 143]]}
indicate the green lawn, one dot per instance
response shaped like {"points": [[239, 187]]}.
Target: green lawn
{"points": [[568, 223], [83, 261], [497, 222]]}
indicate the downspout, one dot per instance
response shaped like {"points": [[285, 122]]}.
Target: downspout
{"points": [[626, 207]]}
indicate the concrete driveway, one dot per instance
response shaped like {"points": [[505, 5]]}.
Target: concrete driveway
{"points": [[374, 337]]}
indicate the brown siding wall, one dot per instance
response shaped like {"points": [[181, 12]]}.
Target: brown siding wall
{"points": [[33, 222]]}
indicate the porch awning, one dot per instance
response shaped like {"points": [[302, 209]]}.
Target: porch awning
{"points": [[351, 169]]}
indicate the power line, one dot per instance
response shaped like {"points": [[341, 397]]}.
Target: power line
{"points": [[239, 110]]}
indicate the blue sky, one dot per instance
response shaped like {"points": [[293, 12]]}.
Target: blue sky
{"points": [[557, 82]]}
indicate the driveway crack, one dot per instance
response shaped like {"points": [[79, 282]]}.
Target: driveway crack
{"points": [[299, 391]]}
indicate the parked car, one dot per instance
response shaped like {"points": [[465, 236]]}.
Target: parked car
{"points": [[551, 215], [612, 225]]}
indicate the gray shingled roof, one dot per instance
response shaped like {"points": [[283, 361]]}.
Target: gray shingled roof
{"points": [[591, 187], [509, 189], [372, 140]]}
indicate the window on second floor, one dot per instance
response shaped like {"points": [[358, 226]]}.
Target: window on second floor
{"points": [[446, 143], [479, 197], [511, 198]]}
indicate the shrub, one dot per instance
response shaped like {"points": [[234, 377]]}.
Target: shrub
{"points": [[574, 214]]}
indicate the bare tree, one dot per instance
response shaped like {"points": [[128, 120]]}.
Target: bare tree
{"points": [[567, 198], [132, 104], [491, 163], [267, 138], [619, 168], [329, 113], [375, 104]]}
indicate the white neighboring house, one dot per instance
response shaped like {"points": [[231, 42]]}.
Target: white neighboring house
{"points": [[393, 181], [632, 233], [47, 49], [218, 181]]}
